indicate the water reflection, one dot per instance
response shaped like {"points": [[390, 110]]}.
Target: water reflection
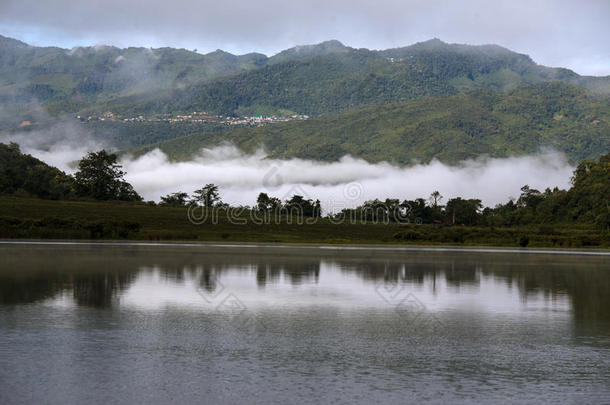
{"points": [[166, 324], [97, 276]]}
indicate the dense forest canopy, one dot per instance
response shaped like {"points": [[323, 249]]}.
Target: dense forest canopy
{"points": [[25, 175], [450, 129], [316, 79], [353, 78]]}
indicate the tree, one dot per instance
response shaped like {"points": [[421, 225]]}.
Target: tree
{"points": [[299, 206], [589, 197], [175, 199], [435, 198], [373, 210], [25, 175], [530, 197], [463, 211], [317, 209], [262, 202], [394, 209], [266, 203], [207, 196], [100, 177]]}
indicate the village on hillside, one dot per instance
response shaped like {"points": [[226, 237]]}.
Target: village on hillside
{"points": [[197, 117]]}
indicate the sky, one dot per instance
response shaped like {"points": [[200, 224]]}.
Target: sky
{"points": [[565, 33]]}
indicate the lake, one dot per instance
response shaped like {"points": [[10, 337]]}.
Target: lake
{"points": [[171, 323]]}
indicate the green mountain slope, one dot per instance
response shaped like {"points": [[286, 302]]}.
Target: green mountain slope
{"points": [[313, 79], [90, 74], [340, 78], [72, 79], [450, 129], [306, 51]]}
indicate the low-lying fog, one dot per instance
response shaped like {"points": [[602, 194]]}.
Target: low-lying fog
{"points": [[346, 183], [337, 185]]}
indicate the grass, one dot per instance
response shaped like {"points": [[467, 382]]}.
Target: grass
{"points": [[24, 218]]}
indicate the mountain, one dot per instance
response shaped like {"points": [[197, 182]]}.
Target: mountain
{"points": [[84, 75], [90, 74], [333, 78], [450, 128], [426, 100], [312, 79], [305, 51]]}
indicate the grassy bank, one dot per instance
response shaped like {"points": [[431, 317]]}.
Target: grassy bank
{"points": [[23, 218]]}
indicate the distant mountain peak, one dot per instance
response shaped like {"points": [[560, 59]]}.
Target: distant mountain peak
{"points": [[430, 44], [219, 52], [433, 41], [299, 51], [10, 42], [323, 47], [333, 43]]}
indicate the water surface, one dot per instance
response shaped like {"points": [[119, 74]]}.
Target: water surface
{"points": [[114, 323]]}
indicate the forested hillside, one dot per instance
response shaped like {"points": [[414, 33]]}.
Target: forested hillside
{"points": [[315, 79], [27, 176], [353, 78], [84, 75], [450, 129], [424, 101]]}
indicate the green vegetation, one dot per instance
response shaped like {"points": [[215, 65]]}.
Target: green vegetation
{"points": [[586, 202], [207, 196], [424, 101], [99, 177], [125, 135], [42, 219], [296, 206], [120, 135], [573, 218], [67, 80], [336, 78], [177, 199], [319, 79], [589, 198], [450, 129], [25, 175], [427, 101]]}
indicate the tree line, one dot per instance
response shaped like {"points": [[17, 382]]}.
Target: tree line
{"points": [[208, 196], [587, 202], [100, 177]]}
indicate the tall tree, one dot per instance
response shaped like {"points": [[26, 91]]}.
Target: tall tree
{"points": [[590, 192], [207, 196], [99, 176], [435, 198]]}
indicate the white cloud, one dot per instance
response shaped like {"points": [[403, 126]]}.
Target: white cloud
{"points": [[346, 183], [60, 144]]}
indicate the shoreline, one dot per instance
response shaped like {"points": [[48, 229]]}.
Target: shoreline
{"points": [[23, 219], [316, 246]]}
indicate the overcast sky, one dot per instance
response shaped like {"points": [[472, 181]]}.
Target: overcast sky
{"points": [[568, 33]]}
